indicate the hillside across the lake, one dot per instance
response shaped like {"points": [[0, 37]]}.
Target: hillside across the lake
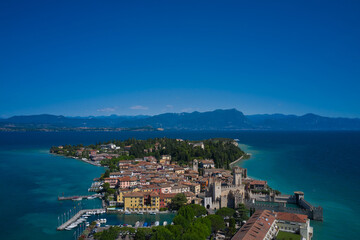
{"points": [[228, 119]]}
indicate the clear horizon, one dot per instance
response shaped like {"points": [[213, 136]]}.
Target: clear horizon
{"points": [[150, 115], [88, 58]]}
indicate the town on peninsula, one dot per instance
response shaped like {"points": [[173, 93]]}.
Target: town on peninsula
{"points": [[199, 182]]}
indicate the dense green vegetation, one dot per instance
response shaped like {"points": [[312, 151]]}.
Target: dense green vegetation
{"points": [[225, 212], [287, 236], [113, 232], [241, 213], [198, 210], [177, 201], [222, 151]]}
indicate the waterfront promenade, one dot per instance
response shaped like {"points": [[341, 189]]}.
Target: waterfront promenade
{"points": [[76, 217]]}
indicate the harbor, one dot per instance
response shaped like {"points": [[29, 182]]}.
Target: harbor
{"points": [[73, 220], [138, 220]]}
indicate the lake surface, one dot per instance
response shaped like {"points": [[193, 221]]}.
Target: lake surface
{"points": [[325, 165]]}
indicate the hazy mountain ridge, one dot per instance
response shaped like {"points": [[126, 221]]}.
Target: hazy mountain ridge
{"points": [[229, 119]]}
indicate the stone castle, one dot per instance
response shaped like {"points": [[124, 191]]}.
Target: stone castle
{"points": [[218, 195]]}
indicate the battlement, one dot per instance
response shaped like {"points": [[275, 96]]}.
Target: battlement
{"points": [[278, 203]]}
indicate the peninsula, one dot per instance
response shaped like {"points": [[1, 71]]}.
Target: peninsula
{"points": [[161, 174]]}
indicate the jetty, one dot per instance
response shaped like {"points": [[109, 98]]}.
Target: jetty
{"points": [[78, 197], [76, 217]]}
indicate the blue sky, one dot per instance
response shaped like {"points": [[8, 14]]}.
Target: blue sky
{"points": [[79, 58]]}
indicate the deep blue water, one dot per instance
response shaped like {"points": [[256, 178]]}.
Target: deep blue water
{"points": [[325, 165]]}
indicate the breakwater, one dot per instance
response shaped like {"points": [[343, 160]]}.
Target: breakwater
{"points": [[78, 197]]}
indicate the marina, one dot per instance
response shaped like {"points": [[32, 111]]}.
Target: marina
{"points": [[74, 221]]}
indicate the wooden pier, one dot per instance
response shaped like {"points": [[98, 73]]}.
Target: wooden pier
{"points": [[76, 217], [76, 197]]}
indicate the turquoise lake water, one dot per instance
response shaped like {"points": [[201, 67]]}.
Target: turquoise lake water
{"points": [[325, 165]]}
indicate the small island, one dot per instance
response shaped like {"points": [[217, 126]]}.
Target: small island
{"points": [[194, 178]]}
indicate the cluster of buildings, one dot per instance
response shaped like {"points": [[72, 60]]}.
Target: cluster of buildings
{"points": [[149, 184], [266, 225]]}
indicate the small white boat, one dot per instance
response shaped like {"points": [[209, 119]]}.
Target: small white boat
{"points": [[157, 223], [73, 225], [165, 223], [127, 213], [140, 213], [77, 199], [152, 213]]}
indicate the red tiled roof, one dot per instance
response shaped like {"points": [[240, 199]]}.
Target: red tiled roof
{"points": [[291, 217], [256, 227], [258, 182], [124, 179], [167, 195], [134, 194]]}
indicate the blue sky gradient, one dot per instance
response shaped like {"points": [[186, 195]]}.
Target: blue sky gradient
{"points": [[79, 58]]}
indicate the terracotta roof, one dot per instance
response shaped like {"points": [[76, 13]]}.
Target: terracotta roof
{"points": [[124, 179], [125, 190], [207, 161], [167, 195], [134, 194], [258, 182], [256, 227], [189, 194], [291, 217], [153, 194]]}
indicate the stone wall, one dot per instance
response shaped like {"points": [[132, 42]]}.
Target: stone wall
{"points": [[314, 213]]}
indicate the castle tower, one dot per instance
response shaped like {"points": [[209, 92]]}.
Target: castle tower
{"points": [[216, 189], [237, 174], [195, 165], [299, 196]]}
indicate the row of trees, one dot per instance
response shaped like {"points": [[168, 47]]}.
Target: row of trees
{"points": [[222, 151]]}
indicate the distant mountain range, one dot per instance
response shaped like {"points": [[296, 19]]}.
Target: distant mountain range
{"points": [[229, 119]]}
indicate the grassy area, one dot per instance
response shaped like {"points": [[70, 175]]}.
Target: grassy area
{"points": [[287, 236]]}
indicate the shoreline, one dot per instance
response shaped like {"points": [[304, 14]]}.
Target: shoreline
{"points": [[240, 159], [86, 161]]}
